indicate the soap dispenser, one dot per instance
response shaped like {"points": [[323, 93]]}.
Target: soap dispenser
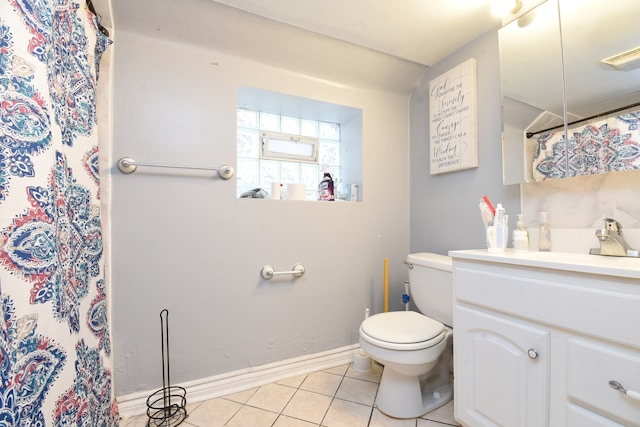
{"points": [[544, 235], [520, 236]]}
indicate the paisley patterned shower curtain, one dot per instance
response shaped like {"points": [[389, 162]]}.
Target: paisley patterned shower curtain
{"points": [[601, 146], [55, 347]]}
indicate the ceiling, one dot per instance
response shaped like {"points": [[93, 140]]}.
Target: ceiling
{"points": [[378, 43], [420, 31]]}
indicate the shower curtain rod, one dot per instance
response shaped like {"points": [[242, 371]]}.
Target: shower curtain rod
{"points": [[128, 165], [595, 116]]}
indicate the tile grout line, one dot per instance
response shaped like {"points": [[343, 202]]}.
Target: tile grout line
{"points": [[374, 405], [333, 398], [289, 401]]}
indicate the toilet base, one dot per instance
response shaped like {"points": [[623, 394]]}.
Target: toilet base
{"points": [[408, 396], [403, 397]]}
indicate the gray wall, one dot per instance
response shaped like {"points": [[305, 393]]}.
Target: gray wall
{"points": [[182, 241], [444, 208]]}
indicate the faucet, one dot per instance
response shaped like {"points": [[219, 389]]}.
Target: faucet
{"points": [[612, 241]]}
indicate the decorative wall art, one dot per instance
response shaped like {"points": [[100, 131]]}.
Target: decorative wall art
{"points": [[453, 116]]}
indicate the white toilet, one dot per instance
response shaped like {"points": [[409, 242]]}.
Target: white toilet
{"points": [[416, 350]]}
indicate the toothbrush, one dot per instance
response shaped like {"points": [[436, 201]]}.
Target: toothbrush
{"points": [[485, 212], [489, 205]]}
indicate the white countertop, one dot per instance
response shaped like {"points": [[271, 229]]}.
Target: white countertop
{"points": [[582, 263]]}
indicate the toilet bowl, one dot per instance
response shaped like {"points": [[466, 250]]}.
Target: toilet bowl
{"points": [[415, 350]]}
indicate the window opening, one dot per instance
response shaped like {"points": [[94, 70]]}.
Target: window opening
{"points": [[286, 139], [299, 155]]}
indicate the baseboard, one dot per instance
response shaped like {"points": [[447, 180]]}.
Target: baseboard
{"points": [[244, 379]]}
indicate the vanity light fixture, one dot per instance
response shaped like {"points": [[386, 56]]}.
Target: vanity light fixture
{"points": [[500, 8], [625, 61]]}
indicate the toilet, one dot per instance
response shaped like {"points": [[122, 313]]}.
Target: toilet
{"points": [[415, 349]]}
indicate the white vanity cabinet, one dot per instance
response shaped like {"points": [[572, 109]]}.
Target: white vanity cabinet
{"points": [[539, 336]]}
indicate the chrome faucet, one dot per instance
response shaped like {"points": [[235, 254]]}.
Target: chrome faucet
{"points": [[612, 241]]}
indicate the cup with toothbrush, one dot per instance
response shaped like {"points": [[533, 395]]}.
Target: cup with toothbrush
{"points": [[496, 226]]}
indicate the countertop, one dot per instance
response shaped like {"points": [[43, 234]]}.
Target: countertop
{"points": [[582, 263]]}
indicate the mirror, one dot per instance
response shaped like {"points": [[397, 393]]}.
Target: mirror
{"points": [[553, 78], [532, 85], [593, 30]]}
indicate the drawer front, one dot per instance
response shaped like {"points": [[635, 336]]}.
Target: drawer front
{"points": [[590, 367], [580, 417], [609, 314]]}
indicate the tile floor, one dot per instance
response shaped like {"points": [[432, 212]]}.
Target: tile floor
{"points": [[336, 397]]}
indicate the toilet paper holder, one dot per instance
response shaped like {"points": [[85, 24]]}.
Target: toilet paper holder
{"points": [[268, 271]]}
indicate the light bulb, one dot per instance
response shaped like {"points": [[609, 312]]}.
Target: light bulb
{"points": [[500, 8]]}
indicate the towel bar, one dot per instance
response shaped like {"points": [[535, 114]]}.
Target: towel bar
{"points": [[268, 271], [128, 165]]}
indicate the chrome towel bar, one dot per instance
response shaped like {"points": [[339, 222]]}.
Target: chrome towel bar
{"points": [[268, 271], [128, 165]]}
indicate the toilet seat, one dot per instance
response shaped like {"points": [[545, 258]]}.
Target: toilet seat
{"points": [[402, 330]]}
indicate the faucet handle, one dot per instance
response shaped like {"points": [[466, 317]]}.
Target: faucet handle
{"points": [[612, 224]]}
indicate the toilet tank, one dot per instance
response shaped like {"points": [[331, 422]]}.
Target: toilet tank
{"points": [[431, 285]]}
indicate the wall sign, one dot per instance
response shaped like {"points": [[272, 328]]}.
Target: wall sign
{"points": [[453, 129]]}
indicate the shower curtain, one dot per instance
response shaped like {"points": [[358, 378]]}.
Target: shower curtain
{"points": [[55, 347], [600, 146]]}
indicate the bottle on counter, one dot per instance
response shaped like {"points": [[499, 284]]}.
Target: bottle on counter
{"points": [[544, 234], [520, 236], [325, 188]]}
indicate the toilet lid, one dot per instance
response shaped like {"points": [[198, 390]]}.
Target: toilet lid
{"points": [[402, 327]]}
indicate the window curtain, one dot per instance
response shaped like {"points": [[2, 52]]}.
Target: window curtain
{"points": [[55, 347], [603, 146]]}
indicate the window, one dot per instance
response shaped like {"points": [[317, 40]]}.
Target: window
{"points": [[288, 147], [292, 140]]}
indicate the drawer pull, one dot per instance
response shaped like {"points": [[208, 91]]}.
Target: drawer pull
{"points": [[532, 353], [629, 393]]}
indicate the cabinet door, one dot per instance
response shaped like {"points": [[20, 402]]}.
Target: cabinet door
{"points": [[501, 370]]}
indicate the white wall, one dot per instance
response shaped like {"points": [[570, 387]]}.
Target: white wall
{"points": [[444, 208], [575, 206], [182, 241]]}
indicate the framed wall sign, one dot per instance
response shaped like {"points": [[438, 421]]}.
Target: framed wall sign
{"points": [[453, 127]]}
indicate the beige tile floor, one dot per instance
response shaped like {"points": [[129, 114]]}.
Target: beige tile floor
{"points": [[336, 397]]}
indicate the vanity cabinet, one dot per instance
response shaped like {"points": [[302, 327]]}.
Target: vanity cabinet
{"points": [[539, 336]]}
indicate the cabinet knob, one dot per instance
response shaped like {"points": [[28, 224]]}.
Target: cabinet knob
{"points": [[532, 353]]}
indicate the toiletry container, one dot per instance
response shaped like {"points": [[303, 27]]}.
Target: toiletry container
{"points": [[325, 188], [544, 234], [520, 236]]}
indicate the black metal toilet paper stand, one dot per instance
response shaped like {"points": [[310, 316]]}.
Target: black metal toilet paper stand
{"points": [[166, 407]]}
